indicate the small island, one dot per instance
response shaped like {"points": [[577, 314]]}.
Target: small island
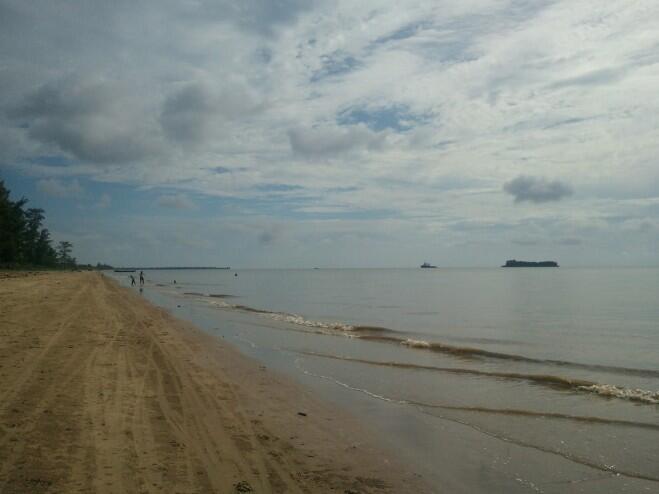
{"points": [[512, 263]]}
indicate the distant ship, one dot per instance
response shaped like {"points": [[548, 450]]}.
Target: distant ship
{"points": [[512, 263], [427, 265]]}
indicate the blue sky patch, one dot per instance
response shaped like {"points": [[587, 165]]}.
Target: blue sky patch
{"points": [[397, 118], [335, 64]]}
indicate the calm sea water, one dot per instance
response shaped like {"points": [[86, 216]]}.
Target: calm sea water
{"points": [[483, 380]]}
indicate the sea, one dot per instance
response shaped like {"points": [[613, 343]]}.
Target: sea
{"points": [[502, 380]]}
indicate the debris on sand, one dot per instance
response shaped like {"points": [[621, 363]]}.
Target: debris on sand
{"points": [[243, 486]]}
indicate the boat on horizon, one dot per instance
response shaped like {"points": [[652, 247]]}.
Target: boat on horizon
{"points": [[427, 265]]}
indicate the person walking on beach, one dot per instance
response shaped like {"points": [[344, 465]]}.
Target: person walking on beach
{"points": [[141, 278], [132, 280]]}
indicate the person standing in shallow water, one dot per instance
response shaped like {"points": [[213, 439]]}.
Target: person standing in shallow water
{"points": [[141, 278], [132, 280]]}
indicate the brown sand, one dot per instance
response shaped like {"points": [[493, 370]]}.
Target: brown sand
{"points": [[102, 392]]}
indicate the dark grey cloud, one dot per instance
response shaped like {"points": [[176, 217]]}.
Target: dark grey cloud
{"points": [[537, 189], [191, 114], [86, 120], [187, 113], [333, 141]]}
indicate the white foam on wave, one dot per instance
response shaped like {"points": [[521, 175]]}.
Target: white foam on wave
{"points": [[415, 343], [607, 390], [641, 395], [301, 321], [288, 318]]}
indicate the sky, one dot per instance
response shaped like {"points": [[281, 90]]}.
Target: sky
{"points": [[301, 133]]}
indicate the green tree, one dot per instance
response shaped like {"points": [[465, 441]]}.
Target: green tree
{"points": [[12, 224], [31, 234], [23, 241], [45, 255], [64, 249]]}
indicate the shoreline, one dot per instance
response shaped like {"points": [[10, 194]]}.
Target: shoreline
{"points": [[103, 391], [473, 427]]}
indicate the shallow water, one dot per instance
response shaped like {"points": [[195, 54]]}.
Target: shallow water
{"points": [[484, 380]]}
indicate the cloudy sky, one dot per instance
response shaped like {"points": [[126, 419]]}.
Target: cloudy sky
{"points": [[286, 133]]}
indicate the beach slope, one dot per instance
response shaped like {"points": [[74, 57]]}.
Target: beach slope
{"points": [[100, 391]]}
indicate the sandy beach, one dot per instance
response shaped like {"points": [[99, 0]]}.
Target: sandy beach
{"points": [[100, 391]]}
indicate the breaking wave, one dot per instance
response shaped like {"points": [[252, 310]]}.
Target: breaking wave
{"points": [[296, 319], [611, 391], [477, 353], [415, 343], [286, 317], [551, 381], [386, 335], [301, 321]]}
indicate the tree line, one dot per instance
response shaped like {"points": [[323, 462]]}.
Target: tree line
{"points": [[23, 239]]}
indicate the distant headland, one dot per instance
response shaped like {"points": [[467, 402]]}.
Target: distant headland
{"points": [[513, 263], [128, 270]]}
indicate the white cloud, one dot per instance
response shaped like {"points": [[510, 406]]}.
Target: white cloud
{"points": [[490, 90], [334, 141]]}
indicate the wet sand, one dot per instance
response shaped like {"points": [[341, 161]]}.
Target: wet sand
{"points": [[100, 391]]}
